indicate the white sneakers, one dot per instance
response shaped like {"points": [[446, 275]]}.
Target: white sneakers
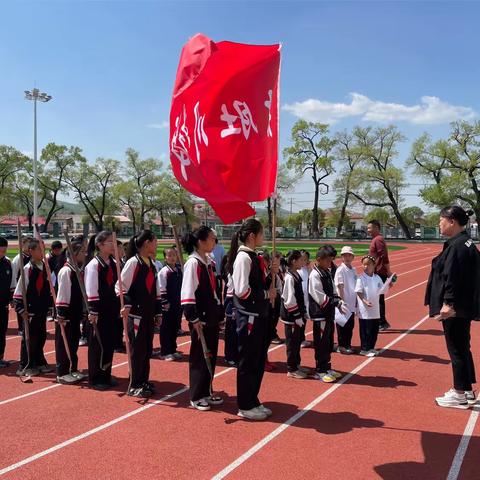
{"points": [[256, 414], [452, 399], [297, 374], [471, 398]]}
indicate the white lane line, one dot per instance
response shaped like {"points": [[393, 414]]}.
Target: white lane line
{"points": [[275, 433], [406, 290], [12, 337], [104, 426], [55, 385], [59, 446], [463, 446]]}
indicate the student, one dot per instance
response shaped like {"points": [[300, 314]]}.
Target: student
{"points": [[6, 293], [104, 310], [142, 307], [345, 281], [293, 313], [369, 287], [231, 337], [251, 299], [56, 258], [323, 300], [70, 312], [39, 301], [304, 273], [333, 255], [204, 313], [170, 282], [277, 269], [16, 272]]}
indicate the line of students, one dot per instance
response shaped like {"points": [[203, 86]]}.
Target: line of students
{"points": [[248, 302]]}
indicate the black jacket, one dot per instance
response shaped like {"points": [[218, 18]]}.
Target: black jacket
{"points": [[455, 278]]}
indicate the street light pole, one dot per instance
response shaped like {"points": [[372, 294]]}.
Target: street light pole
{"points": [[35, 95]]}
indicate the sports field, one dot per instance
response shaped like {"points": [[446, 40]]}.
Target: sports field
{"points": [[379, 421]]}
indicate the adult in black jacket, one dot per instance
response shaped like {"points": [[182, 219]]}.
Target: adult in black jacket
{"points": [[452, 297]]}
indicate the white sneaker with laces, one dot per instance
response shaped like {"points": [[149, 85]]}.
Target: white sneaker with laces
{"points": [[201, 404], [471, 397], [334, 374], [265, 410], [254, 414], [452, 399]]}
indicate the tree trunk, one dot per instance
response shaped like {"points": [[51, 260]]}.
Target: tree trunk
{"points": [[269, 212], [401, 222], [315, 231], [343, 211], [185, 214], [162, 218]]}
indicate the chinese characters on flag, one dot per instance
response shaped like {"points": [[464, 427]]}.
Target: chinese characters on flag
{"points": [[224, 124]]}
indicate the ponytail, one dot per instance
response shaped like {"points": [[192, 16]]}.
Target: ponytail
{"points": [[190, 240], [136, 242], [454, 212], [94, 241], [251, 226]]}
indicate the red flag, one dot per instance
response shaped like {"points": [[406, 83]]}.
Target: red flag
{"points": [[224, 124]]}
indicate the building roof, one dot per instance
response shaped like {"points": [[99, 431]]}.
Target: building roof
{"points": [[8, 220]]}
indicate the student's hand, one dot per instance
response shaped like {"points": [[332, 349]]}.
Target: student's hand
{"points": [[447, 311], [368, 303], [166, 307], [158, 320], [92, 318], [61, 321], [24, 316], [125, 312], [299, 322], [342, 306]]}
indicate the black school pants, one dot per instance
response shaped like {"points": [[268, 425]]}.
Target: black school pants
{"points": [[294, 336], [141, 347], [323, 331], [118, 333], [3, 328], [368, 332], [345, 333], [252, 354], [231, 337], [72, 332], [101, 374], [169, 331], [457, 337], [383, 318], [200, 377], [38, 336]]}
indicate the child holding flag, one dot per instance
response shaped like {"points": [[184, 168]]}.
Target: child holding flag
{"points": [[251, 301], [202, 307], [142, 306]]}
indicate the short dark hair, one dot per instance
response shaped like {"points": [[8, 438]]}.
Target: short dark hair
{"points": [[56, 244], [332, 250], [305, 252], [454, 212], [375, 222], [33, 244], [3, 242], [292, 256], [323, 252]]}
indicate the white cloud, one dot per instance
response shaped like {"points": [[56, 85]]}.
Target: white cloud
{"points": [[431, 110], [160, 126]]}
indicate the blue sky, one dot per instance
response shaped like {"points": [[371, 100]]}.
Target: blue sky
{"points": [[110, 67]]}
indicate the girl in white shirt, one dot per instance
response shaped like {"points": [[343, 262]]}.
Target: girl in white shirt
{"points": [[369, 287]]}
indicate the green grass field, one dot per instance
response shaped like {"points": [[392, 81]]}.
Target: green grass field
{"points": [[284, 247]]}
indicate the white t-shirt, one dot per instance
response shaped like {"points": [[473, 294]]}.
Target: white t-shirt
{"points": [[347, 277], [371, 287]]}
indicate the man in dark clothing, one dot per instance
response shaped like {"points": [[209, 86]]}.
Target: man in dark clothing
{"points": [[379, 251]]}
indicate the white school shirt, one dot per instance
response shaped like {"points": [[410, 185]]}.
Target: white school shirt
{"points": [[348, 278], [371, 287]]}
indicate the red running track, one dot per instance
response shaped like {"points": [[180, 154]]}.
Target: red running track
{"points": [[380, 422]]}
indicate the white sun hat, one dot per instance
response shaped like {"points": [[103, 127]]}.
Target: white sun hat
{"points": [[346, 250]]}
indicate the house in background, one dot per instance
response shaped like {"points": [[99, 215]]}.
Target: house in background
{"points": [[9, 223]]}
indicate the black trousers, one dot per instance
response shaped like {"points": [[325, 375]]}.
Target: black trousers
{"points": [[368, 333], [169, 331], [323, 331], [72, 332], [106, 325], [345, 333], [118, 333], [252, 354], [3, 328], [457, 337], [274, 313], [293, 340], [38, 337], [383, 318], [231, 339], [19, 322], [141, 347], [200, 379]]}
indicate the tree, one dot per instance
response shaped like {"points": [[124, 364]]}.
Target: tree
{"points": [[453, 165], [350, 155], [55, 160], [412, 215], [378, 181], [12, 163], [380, 214], [93, 186], [312, 151], [335, 217]]}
